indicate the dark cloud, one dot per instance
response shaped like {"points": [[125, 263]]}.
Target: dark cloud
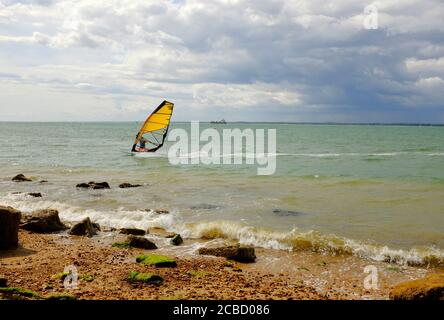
{"points": [[304, 60]]}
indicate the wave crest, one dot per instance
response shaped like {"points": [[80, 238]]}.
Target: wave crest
{"points": [[258, 237]]}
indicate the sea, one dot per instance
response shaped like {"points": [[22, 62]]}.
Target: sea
{"points": [[374, 191]]}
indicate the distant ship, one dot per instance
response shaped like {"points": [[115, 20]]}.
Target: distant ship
{"points": [[219, 122]]}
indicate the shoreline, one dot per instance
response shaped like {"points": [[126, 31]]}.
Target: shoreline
{"points": [[275, 274], [104, 270], [232, 231]]}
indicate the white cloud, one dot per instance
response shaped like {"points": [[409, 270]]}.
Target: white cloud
{"points": [[431, 84], [416, 65], [225, 53], [237, 96]]}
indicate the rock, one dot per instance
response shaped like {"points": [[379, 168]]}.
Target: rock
{"points": [[160, 232], [156, 260], [9, 225], [21, 178], [84, 185], [286, 213], [176, 240], [3, 282], [94, 185], [129, 185], [61, 276], [43, 181], [96, 226], [133, 231], [84, 228], [135, 276], [158, 211], [161, 211], [43, 221], [12, 293], [35, 194], [236, 253], [429, 288], [140, 242], [121, 245]]}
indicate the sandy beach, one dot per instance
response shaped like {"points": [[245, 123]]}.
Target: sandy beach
{"points": [[103, 272]]}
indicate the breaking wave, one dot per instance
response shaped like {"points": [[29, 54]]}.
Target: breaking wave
{"points": [[314, 241], [230, 230], [119, 218]]}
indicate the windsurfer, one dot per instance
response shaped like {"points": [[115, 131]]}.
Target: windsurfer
{"points": [[141, 147], [143, 142], [157, 126]]}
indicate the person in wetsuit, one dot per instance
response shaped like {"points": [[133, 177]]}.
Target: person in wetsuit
{"points": [[141, 147], [142, 143]]}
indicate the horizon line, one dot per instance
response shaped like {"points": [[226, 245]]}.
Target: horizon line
{"points": [[252, 122]]}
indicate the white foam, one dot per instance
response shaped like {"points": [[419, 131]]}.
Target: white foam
{"points": [[293, 240], [119, 218], [436, 154]]}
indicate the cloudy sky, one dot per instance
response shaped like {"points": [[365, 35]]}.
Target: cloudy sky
{"points": [[274, 60]]}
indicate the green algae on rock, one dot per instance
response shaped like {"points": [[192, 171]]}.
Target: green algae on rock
{"points": [[16, 293], [156, 260], [135, 276]]}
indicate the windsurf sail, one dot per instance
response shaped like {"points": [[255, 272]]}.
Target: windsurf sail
{"points": [[155, 129]]}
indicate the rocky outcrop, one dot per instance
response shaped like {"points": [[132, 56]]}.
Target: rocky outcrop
{"points": [[128, 185], [9, 225], [176, 240], [43, 221], [35, 194], [94, 185], [84, 228], [140, 242], [132, 231], [236, 253], [21, 178], [429, 288]]}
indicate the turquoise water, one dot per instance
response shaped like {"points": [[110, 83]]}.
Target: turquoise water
{"points": [[374, 191]]}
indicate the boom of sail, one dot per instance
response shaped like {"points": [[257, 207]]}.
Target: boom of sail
{"points": [[153, 133]]}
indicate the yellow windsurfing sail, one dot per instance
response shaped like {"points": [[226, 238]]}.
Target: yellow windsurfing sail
{"points": [[153, 132]]}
